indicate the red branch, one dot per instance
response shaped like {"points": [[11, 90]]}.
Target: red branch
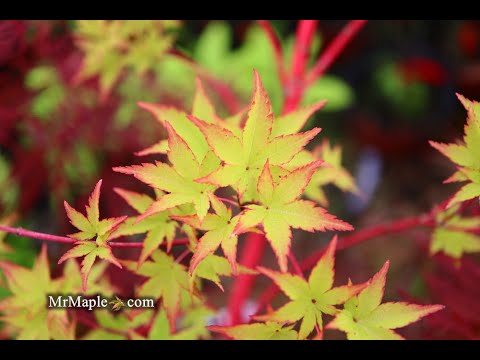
{"points": [[251, 255], [294, 88], [67, 240], [348, 241], [276, 46], [371, 233], [255, 244], [301, 48], [335, 48], [303, 41], [37, 235]]}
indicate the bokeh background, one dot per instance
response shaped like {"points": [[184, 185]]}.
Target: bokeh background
{"points": [[390, 91]]}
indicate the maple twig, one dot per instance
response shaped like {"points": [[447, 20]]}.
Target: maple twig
{"points": [[228, 201], [334, 49], [117, 244], [251, 255], [295, 87], [182, 256], [255, 243], [276, 46], [401, 225], [375, 231], [37, 235], [67, 240], [303, 41]]}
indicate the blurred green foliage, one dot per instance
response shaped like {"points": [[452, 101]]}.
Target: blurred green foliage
{"points": [[50, 91], [408, 98], [214, 51]]}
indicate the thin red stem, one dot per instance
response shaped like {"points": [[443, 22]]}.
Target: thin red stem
{"points": [[295, 87], [67, 240], [116, 244], [328, 57], [348, 241], [276, 46], [242, 287], [37, 235], [182, 256], [228, 201], [301, 48], [371, 233]]}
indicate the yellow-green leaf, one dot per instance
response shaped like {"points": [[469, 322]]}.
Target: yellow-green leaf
{"points": [[257, 331], [365, 318], [282, 211]]}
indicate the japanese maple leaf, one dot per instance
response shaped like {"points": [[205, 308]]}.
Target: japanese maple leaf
{"points": [[309, 299], [258, 331], [176, 179], [118, 326], [331, 173], [218, 229], [280, 210], [71, 281], [454, 235], [167, 280], [126, 325], [466, 156], [192, 325], [295, 120], [364, 317], [91, 227], [214, 266], [243, 157], [178, 119], [158, 227], [25, 310], [111, 46]]}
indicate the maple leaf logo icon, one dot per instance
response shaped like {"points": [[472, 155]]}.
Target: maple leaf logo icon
{"points": [[117, 304]]}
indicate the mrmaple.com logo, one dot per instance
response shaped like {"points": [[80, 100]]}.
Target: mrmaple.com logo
{"points": [[95, 302]]}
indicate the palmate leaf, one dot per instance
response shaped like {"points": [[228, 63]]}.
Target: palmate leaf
{"points": [[214, 266], [258, 331], [167, 280], [280, 210], [158, 227], [178, 179], [310, 299], [218, 229], [25, 309], [192, 325], [126, 325], [90, 227], [118, 326], [364, 317], [466, 155], [454, 234], [111, 46], [244, 156], [202, 108], [331, 173]]}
